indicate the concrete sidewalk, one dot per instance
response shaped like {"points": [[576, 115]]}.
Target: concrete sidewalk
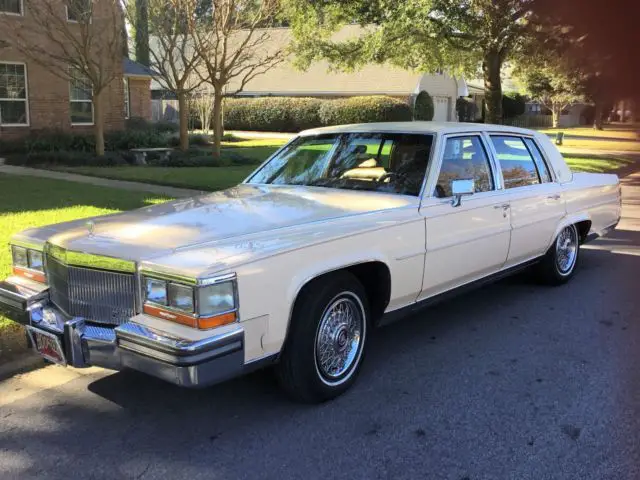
{"points": [[172, 192]]}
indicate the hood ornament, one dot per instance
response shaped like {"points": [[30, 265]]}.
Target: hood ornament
{"points": [[91, 226]]}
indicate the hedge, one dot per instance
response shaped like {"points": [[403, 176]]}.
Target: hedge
{"points": [[286, 114]]}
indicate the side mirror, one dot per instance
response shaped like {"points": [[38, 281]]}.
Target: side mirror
{"points": [[461, 188]]}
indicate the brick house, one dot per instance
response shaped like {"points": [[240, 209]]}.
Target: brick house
{"points": [[33, 98]]}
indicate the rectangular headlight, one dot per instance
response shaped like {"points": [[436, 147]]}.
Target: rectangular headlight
{"points": [[20, 256], [36, 261], [156, 291], [216, 299], [181, 297]]}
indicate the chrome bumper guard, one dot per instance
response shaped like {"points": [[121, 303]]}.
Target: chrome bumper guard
{"points": [[130, 345]]}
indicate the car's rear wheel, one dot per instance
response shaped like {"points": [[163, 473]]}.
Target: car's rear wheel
{"points": [[327, 339], [559, 264]]}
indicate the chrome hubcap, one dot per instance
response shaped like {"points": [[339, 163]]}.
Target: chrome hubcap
{"points": [[566, 249], [339, 338]]}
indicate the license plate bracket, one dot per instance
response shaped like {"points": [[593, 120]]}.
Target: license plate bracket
{"points": [[48, 345]]}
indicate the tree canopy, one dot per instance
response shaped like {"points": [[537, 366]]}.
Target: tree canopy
{"points": [[458, 36]]}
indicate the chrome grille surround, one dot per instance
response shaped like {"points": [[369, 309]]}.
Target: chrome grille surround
{"points": [[99, 296]]}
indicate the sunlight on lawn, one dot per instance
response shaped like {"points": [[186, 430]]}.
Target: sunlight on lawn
{"points": [[33, 202], [596, 165]]}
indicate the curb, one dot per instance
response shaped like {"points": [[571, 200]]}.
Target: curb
{"points": [[26, 362]]}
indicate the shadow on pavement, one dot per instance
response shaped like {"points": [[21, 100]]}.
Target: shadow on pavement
{"points": [[513, 372]]}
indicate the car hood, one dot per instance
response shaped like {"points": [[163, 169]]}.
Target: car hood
{"points": [[160, 230]]}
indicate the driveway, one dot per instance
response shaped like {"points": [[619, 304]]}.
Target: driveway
{"points": [[513, 381]]}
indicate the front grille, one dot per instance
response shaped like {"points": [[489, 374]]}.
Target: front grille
{"points": [[97, 295]]}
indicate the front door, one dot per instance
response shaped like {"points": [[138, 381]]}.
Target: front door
{"points": [[469, 241]]}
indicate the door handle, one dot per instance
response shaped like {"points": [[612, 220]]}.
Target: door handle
{"points": [[505, 206], [554, 197]]}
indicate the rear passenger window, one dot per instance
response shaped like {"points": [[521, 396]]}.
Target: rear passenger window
{"points": [[543, 170], [464, 159], [517, 165]]}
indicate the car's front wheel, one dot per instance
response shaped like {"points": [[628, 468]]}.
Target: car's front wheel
{"points": [[327, 339], [559, 264]]}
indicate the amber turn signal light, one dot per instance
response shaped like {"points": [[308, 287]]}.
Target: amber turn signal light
{"points": [[30, 274], [189, 320]]}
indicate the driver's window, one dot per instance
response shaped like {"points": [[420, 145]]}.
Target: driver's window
{"points": [[464, 159]]}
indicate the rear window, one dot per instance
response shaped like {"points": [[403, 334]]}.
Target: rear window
{"points": [[517, 164]]}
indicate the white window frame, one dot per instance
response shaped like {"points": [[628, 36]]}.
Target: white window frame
{"points": [[26, 99], [127, 98], [21, 14], [70, 20], [93, 108]]}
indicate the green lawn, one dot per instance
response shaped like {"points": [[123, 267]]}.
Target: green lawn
{"points": [[597, 163], [30, 202], [259, 149]]}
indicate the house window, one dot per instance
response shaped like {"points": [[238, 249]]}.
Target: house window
{"points": [[13, 7], [80, 99], [127, 104], [79, 10], [14, 109]]}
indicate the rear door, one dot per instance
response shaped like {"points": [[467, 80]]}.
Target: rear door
{"points": [[469, 241], [537, 203]]}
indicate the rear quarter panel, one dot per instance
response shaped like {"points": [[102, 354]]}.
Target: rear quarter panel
{"points": [[594, 197]]}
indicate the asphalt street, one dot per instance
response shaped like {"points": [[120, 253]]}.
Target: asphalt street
{"points": [[512, 381]]}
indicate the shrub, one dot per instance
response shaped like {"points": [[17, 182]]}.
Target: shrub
{"points": [[138, 123], [165, 127], [284, 114], [8, 147], [199, 158], [228, 137], [65, 158], [364, 110], [58, 140], [423, 108], [513, 105], [128, 139], [279, 114], [194, 139], [466, 110]]}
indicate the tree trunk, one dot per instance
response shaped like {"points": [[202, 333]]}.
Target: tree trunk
{"points": [[491, 67], [555, 116], [597, 120], [142, 32], [183, 112], [98, 123], [218, 127], [623, 111]]}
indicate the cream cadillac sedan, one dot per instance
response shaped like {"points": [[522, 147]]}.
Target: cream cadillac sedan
{"points": [[341, 229]]}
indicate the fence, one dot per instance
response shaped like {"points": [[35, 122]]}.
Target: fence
{"points": [[530, 121]]}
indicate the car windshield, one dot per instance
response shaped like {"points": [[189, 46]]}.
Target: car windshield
{"points": [[384, 162]]}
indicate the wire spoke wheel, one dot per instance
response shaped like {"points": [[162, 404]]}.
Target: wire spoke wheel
{"points": [[567, 250], [339, 338]]}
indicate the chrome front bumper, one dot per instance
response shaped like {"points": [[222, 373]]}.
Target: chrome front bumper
{"points": [[130, 345]]}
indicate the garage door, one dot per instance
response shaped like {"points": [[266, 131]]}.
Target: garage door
{"points": [[441, 109]]}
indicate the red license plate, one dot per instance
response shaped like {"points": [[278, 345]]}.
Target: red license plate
{"points": [[48, 345]]}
